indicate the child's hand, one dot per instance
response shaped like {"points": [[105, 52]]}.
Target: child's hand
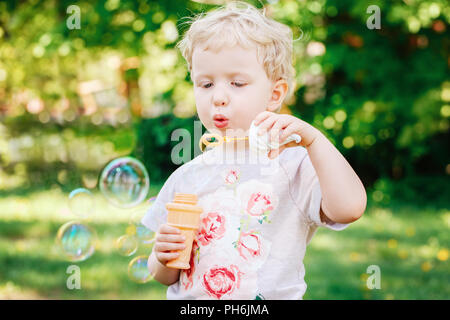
{"points": [[275, 123], [168, 239]]}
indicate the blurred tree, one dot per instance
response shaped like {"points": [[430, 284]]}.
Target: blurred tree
{"points": [[382, 96]]}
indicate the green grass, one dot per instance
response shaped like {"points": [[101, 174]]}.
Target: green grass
{"points": [[408, 243], [32, 265]]}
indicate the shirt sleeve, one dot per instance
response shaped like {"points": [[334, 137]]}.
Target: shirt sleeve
{"points": [[307, 195], [157, 213]]}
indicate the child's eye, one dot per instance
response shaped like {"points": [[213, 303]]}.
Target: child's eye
{"points": [[238, 84]]}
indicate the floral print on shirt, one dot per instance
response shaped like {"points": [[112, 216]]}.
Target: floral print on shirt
{"points": [[257, 200], [186, 275], [231, 176], [222, 280], [211, 227], [249, 245], [229, 248]]}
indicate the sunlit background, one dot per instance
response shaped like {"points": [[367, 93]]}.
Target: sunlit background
{"points": [[80, 107]]}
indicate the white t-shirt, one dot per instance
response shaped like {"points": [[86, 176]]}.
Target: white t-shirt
{"points": [[258, 217]]}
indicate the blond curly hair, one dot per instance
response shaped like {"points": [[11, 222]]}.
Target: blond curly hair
{"points": [[241, 23]]}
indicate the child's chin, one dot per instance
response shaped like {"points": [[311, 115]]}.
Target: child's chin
{"points": [[236, 133]]}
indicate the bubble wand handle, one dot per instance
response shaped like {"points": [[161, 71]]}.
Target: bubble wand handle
{"points": [[184, 214], [213, 140]]}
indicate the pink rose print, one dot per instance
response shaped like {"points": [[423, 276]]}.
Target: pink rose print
{"points": [[258, 204], [212, 227], [249, 245], [219, 281], [186, 277], [232, 176], [257, 199]]}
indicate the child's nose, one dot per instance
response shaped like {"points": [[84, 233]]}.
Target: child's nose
{"points": [[220, 100], [220, 96], [219, 103]]}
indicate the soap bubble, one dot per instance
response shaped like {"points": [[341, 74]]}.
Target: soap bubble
{"points": [[138, 270], [127, 245], [136, 228], [81, 202], [124, 182], [144, 234], [76, 240]]}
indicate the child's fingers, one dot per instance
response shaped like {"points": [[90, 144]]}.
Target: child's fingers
{"points": [[169, 246], [170, 237], [275, 132], [163, 257], [288, 130], [262, 116], [165, 228], [266, 125]]}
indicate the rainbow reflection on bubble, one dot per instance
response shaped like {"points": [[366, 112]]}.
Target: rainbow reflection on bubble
{"points": [[138, 270], [124, 182], [76, 240], [144, 234], [136, 228], [81, 202], [127, 245]]}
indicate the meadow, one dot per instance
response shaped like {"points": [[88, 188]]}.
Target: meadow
{"points": [[408, 243]]}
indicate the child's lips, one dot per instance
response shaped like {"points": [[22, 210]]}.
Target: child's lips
{"points": [[221, 123]]}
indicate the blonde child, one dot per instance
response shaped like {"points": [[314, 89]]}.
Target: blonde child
{"points": [[255, 226]]}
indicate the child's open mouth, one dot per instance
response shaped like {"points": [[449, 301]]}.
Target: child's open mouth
{"points": [[220, 121]]}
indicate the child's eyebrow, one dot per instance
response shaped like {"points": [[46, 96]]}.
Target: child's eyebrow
{"points": [[200, 75]]}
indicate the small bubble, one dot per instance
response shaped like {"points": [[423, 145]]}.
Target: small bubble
{"points": [[81, 202], [127, 245], [76, 240], [138, 270]]}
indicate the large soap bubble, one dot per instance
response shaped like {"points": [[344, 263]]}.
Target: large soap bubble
{"points": [[76, 240], [124, 182]]}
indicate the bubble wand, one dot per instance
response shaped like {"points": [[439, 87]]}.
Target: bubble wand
{"points": [[259, 144]]}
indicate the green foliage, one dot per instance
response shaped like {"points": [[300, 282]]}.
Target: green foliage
{"points": [[155, 145], [391, 85], [420, 190], [381, 96], [39, 156]]}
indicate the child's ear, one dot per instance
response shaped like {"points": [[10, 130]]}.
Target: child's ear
{"points": [[279, 92]]}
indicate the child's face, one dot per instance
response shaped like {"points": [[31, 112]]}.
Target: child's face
{"points": [[232, 83]]}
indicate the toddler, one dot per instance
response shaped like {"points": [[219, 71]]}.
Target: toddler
{"points": [[255, 223]]}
